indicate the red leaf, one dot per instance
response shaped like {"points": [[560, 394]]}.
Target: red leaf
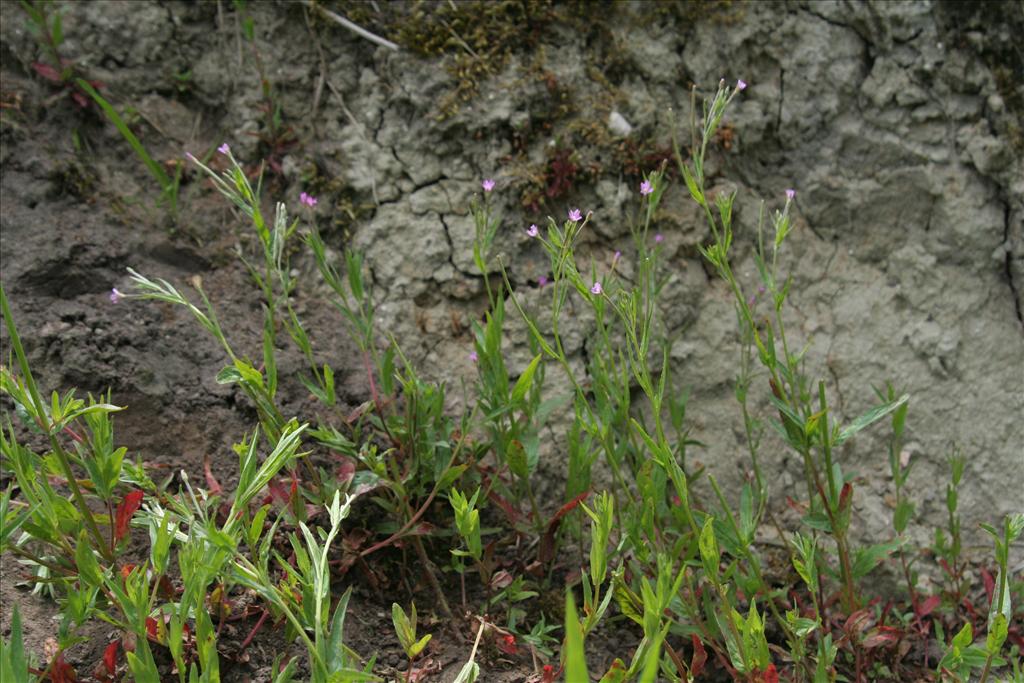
{"points": [[700, 656], [346, 470], [879, 637], [546, 551], [548, 674], [507, 644], [61, 671], [926, 607], [47, 72], [211, 481], [132, 501], [110, 657], [990, 584], [770, 675], [858, 622], [845, 496]]}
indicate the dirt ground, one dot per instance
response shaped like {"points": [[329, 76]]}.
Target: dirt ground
{"points": [[394, 145]]}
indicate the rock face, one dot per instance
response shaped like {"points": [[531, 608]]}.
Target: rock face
{"points": [[898, 125]]}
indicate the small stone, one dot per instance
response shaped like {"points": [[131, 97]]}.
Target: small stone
{"points": [[618, 124]]}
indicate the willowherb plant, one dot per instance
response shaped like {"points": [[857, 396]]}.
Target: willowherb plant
{"points": [[669, 553]]}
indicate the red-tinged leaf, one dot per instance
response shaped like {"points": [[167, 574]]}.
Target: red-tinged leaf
{"points": [[945, 566], [548, 674], [151, 628], [346, 471], [880, 637], [61, 671], [501, 579], [80, 99], [211, 481], [507, 644], [131, 502], [928, 606], [110, 657], [990, 584], [700, 657], [858, 622], [846, 496], [46, 71], [770, 675], [279, 493], [546, 550], [126, 569]]}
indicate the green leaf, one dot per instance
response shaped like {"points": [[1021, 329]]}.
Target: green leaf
{"points": [[154, 168], [403, 629], [709, 553], [616, 673], [419, 645], [866, 559], [904, 511], [525, 380], [873, 415], [12, 653], [468, 673], [336, 659], [88, 567], [58, 31], [996, 634], [575, 659]]}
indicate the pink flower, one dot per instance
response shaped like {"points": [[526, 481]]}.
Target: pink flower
{"points": [[191, 157], [659, 238], [224, 149], [597, 288], [616, 256], [741, 84], [575, 216], [542, 280], [646, 188], [115, 296], [473, 357], [307, 199], [532, 231], [790, 194], [487, 184]]}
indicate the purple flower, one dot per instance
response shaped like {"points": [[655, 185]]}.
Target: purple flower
{"points": [[307, 199], [646, 188], [575, 216], [487, 184], [790, 194], [659, 238], [741, 84], [617, 256], [115, 296], [597, 288], [191, 157], [473, 357], [542, 280], [760, 289], [751, 301], [532, 231], [224, 149]]}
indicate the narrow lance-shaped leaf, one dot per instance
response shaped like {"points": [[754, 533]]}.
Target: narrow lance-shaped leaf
{"points": [[873, 415]]}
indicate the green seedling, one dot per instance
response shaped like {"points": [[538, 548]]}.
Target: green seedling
{"points": [[405, 629]]}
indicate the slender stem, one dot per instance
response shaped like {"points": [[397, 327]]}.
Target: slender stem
{"points": [[62, 458]]}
